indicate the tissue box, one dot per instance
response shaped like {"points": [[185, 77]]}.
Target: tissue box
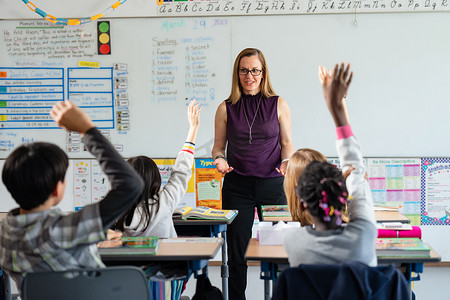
{"points": [[270, 234]]}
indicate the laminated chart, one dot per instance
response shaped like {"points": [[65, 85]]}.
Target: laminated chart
{"points": [[90, 184], [165, 167], [27, 96], [209, 184], [92, 90], [395, 182], [435, 192]]}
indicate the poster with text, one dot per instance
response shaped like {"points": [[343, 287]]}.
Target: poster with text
{"points": [[209, 184], [165, 170], [395, 182], [90, 184], [435, 191]]}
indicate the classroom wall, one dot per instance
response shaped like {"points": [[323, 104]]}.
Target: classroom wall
{"points": [[397, 101]]}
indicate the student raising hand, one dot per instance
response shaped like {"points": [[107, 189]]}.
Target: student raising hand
{"points": [[324, 192], [152, 214]]}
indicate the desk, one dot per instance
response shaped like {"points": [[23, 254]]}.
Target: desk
{"points": [[274, 259], [195, 251], [215, 227], [390, 216], [380, 216]]}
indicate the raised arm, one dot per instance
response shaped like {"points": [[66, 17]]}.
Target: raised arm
{"points": [[220, 140], [334, 89], [126, 184], [177, 184]]}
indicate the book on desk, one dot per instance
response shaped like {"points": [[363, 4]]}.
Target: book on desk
{"points": [[141, 244], [202, 213], [275, 211], [401, 247]]}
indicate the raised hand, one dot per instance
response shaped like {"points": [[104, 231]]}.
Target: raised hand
{"points": [[335, 87], [68, 116], [324, 74], [193, 113]]}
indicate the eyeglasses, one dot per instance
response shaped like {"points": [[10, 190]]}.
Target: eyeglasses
{"points": [[254, 72]]}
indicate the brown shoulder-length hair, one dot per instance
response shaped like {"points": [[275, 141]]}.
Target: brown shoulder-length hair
{"points": [[236, 88], [297, 163]]}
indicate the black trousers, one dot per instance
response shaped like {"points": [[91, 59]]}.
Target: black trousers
{"points": [[244, 193]]}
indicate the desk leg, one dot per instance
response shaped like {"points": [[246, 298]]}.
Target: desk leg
{"points": [[224, 267], [267, 276], [411, 269], [266, 289], [7, 286]]}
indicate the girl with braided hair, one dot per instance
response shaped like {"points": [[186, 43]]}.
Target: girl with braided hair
{"points": [[325, 195]]}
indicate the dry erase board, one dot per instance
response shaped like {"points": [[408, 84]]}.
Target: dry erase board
{"points": [[136, 94], [397, 102]]}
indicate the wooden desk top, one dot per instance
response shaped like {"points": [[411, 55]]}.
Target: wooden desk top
{"points": [[390, 216], [277, 254], [380, 216], [174, 249]]}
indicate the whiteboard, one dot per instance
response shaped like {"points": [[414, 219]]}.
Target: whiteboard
{"points": [[137, 95], [397, 101]]}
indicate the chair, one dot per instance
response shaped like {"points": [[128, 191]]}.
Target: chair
{"points": [[350, 280], [112, 283]]}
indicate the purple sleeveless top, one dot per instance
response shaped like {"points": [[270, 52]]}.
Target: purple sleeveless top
{"points": [[263, 155]]}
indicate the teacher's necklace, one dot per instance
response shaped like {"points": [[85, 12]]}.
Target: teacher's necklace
{"points": [[248, 123]]}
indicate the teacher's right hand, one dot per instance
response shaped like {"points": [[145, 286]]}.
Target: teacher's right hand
{"points": [[222, 166]]}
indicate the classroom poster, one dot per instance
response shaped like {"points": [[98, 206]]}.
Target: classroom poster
{"points": [[395, 182], [335, 162], [165, 169], [90, 184], [209, 184], [435, 191]]}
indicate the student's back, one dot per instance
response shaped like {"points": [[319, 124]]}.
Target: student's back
{"points": [[35, 237]]}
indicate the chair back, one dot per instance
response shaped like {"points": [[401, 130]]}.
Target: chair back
{"points": [[349, 280], [112, 283]]}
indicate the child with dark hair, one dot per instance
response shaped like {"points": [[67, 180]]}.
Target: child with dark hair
{"points": [[324, 193], [152, 214], [37, 237]]}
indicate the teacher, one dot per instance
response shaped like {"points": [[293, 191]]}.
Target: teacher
{"points": [[254, 126]]}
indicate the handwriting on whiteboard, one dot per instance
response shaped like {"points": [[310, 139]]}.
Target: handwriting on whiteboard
{"points": [[271, 7]]}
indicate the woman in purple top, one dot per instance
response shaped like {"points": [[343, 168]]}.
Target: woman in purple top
{"points": [[254, 126]]}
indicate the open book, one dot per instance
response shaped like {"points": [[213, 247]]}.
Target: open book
{"points": [[203, 212], [133, 245]]}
